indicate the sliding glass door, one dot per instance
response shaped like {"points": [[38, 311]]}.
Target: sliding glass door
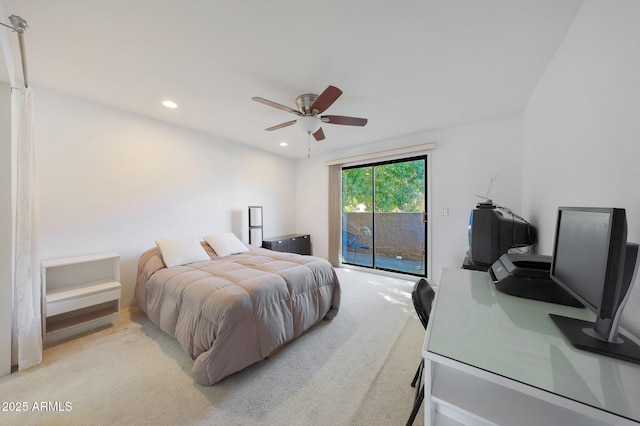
{"points": [[383, 215]]}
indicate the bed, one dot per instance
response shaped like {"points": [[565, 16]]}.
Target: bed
{"points": [[228, 312]]}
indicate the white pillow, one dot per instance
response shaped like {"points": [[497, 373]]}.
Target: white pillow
{"points": [[225, 244], [181, 250]]}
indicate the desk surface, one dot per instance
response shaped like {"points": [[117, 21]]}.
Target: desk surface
{"points": [[474, 324]]}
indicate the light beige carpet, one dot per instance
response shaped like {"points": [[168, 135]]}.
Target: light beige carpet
{"points": [[353, 370]]}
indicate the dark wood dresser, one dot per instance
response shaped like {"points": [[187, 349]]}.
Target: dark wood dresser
{"points": [[293, 243]]}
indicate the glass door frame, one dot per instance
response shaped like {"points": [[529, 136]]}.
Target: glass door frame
{"points": [[425, 270]]}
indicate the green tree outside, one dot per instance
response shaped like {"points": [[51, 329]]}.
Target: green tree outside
{"points": [[399, 187]]}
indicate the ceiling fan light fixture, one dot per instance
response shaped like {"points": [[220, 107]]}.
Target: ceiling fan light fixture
{"points": [[309, 124]]}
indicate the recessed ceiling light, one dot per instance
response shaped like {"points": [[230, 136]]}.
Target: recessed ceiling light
{"points": [[283, 144], [170, 104]]}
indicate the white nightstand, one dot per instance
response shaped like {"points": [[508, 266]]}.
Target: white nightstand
{"points": [[79, 294]]}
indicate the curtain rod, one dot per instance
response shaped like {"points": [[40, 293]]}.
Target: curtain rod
{"points": [[380, 154], [19, 25]]}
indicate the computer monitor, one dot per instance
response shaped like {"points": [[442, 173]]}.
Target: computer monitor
{"points": [[594, 263], [492, 234]]}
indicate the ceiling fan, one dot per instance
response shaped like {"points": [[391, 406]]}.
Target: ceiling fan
{"points": [[310, 107]]}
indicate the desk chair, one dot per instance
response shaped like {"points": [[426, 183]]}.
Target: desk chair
{"points": [[422, 296]]}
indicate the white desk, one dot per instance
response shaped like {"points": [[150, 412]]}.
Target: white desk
{"points": [[491, 358]]}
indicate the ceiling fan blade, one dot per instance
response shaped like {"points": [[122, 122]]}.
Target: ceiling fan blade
{"points": [[325, 99], [276, 105], [281, 125], [341, 119], [319, 134]]}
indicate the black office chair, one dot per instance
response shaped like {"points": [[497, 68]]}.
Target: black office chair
{"points": [[422, 296]]}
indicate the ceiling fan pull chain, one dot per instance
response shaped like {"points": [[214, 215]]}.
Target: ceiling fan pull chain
{"points": [[309, 145]]}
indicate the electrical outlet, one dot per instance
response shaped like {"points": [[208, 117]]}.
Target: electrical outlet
{"points": [[445, 212]]}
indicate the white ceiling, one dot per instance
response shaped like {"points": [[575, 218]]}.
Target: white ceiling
{"points": [[406, 65]]}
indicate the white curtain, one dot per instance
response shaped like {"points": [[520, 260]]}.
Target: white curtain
{"points": [[27, 326], [335, 213]]}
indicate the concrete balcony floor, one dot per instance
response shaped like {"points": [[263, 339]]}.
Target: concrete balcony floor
{"points": [[362, 258]]}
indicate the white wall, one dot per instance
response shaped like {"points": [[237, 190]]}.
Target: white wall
{"points": [[466, 158], [113, 181], [582, 125]]}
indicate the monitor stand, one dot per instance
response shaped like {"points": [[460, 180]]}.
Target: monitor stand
{"points": [[579, 333]]}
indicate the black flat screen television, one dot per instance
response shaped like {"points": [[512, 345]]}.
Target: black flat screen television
{"points": [[492, 234], [594, 263]]}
